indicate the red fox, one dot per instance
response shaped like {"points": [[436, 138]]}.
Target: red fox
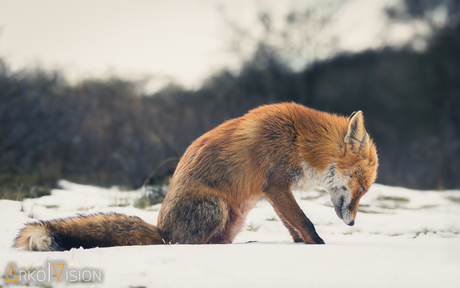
{"points": [[265, 153]]}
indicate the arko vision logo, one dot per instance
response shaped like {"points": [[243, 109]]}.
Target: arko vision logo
{"points": [[57, 271]]}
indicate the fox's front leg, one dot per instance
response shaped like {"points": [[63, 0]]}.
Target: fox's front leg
{"points": [[294, 234], [292, 216]]}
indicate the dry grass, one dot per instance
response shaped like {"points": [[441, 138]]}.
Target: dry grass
{"points": [[18, 187], [392, 198], [153, 195], [454, 199]]}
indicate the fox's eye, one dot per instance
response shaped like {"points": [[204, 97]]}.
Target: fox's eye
{"points": [[361, 190], [344, 188]]}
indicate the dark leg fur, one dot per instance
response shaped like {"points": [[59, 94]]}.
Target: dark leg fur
{"points": [[295, 235], [232, 227], [195, 221], [284, 203]]}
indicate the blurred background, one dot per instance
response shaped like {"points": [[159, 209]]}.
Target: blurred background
{"points": [[112, 92]]}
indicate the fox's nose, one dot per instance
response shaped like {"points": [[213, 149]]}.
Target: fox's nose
{"points": [[351, 223]]}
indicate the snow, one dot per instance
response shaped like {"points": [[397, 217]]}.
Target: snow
{"points": [[402, 238]]}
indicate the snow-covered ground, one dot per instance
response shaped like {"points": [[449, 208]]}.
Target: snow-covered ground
{"points": [[402, 238]]}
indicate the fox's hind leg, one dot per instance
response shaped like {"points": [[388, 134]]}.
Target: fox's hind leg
{"points": [[233, 225], [194, 221]]}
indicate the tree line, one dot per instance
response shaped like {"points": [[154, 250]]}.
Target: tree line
{"points": [[108, 132]]}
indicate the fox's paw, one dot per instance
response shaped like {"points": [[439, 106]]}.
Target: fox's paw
{"points": [[319, 240], [315, 239]]}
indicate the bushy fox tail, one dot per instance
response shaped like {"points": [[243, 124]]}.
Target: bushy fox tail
{"points": [[99, 230]]}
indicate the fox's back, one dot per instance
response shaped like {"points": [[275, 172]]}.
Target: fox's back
{"points": [[237, 157]]}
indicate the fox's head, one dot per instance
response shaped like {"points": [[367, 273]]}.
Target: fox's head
{"points": [[354, 170]]}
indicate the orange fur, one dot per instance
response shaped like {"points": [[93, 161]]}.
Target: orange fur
{"points": [[223, 173], [250, 157]]}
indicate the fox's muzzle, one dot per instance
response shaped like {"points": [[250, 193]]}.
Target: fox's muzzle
{"points": [[338, 207], [343, 211]]}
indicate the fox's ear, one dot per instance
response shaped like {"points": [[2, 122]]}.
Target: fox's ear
{"points": [[357, 138]]}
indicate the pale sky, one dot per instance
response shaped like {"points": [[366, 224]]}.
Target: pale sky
{"points": [[185, 40]]}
